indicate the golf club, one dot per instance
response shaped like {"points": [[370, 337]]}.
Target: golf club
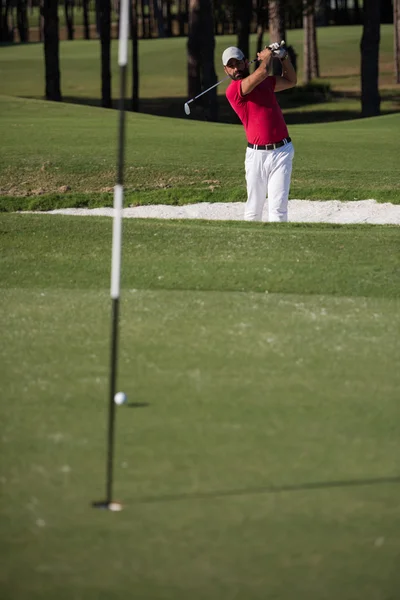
{"points": [[187, 107]]}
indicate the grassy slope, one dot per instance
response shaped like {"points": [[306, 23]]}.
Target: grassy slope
{"points": [[170, 161], [263, 460]]}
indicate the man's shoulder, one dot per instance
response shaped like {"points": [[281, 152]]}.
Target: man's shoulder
{"points": [[233, 88]]}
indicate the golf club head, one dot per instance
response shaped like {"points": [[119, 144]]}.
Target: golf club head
{"points": [[187, 109]]}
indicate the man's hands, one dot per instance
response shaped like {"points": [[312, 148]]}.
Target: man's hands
{"points": [[264, 55], [279, 50]]}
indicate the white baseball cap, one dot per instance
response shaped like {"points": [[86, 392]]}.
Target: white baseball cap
{"points": [[231, 52]]}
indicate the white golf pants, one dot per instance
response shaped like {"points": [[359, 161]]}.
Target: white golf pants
{"points": [[268, 173]]}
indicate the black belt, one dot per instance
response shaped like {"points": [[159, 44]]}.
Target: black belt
{"points": [[270, 146]]}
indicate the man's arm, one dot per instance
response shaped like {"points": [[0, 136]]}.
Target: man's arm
{"points": [[288, 78], [247, 85]]}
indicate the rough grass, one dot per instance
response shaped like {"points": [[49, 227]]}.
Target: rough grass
{"points": [[57, 155]]}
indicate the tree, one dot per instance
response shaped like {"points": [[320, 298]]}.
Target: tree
{"points": [[386, 11], [182, 16], [311, 59], [6, 33], [276, 20], [51, 49], [69, 17], [22, 20], [396, 22], [145, 10], [277, 29], [262, 19], [370, 98], [168, 17], [357, 13], [158, 17], [200, 49], [85, 4], [135, 57], [104, 21], [321, 13], [244, 12]]}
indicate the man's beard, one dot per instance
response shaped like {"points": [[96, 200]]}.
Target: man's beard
{"points": [[241, 74]]}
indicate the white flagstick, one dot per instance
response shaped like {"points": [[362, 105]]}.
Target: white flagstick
{"points": [[116, 254]]}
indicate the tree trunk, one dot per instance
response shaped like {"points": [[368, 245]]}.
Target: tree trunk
{"points": [[168, 17], [200, 48], [41, 22], [5, 32], [69, 18], [386, 11], [314, 46], [135, 57], [370, 98], [311, 58], [51, 50], [307, 42], [104, 15], [321, 13], [396, 22], [337, 17], [86, 19], [262, 18], [277, 29], [158, 17], [22, 20], [357, 13], [146, 26], [182, 17], [244, 14], [276, 18]]}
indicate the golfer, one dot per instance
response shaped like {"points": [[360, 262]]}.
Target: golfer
{"points": [[269, 153]]}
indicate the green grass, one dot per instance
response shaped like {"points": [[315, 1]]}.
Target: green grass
{"points": [[260, 460], [163, 68], [55, 156], [204, 256], [46, 146], [257, 457]]}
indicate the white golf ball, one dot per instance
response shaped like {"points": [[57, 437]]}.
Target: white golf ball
{"points": [[120, 398]]}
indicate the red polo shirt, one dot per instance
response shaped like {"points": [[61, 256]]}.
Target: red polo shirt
{"points": [[259, 112]]}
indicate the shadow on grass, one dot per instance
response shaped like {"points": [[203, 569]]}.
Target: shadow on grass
{"points": [[173, 107], [138, 404], [319, 485], [5, 44]]}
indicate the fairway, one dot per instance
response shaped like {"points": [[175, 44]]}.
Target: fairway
{"points": [[257, 455]]}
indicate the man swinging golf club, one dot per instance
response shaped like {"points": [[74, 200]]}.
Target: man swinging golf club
{"points": [[269, 152]]}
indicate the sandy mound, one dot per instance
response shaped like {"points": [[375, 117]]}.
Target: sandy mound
{"points": [[300, 211]]}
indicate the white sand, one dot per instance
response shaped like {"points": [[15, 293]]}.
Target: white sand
{"points": [[300, 211]]}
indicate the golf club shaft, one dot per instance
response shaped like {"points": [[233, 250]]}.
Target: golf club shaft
{"points": [[205, 91], [215, 85]]}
